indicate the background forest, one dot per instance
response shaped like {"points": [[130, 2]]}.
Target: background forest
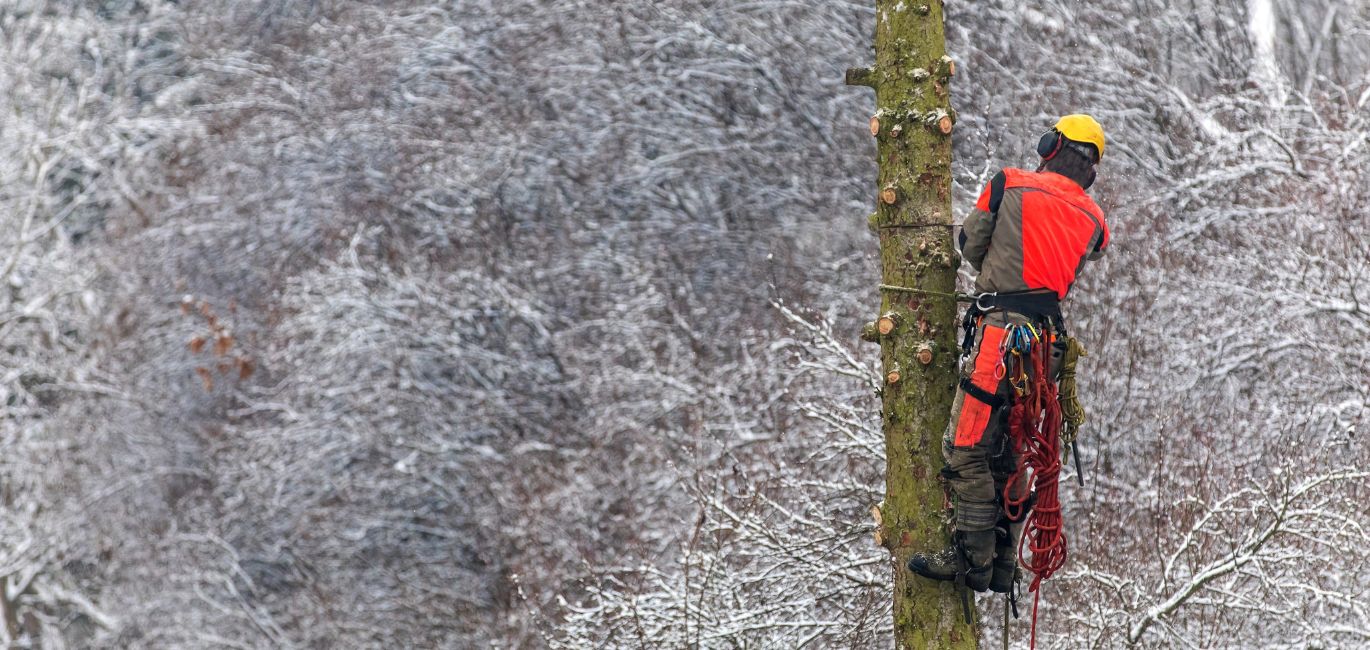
{"points": [[527, 324]]}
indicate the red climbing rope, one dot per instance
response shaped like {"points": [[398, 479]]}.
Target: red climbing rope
{"points": [[1035, 432]]}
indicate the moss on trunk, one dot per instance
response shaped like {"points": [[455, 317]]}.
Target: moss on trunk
{"points": [[912, 126]]}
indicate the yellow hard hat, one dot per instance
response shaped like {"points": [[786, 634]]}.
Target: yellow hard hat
{"points": [[1082, 128]]}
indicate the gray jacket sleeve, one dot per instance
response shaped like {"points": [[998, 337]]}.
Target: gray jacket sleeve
{"points": [[977, 229], [975, 234], [1100, 244]]}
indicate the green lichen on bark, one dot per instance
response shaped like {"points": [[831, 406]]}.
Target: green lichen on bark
{"points": [[911, 78]]}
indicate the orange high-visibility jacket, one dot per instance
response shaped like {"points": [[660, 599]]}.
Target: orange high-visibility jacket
{"points": [[1037, 237]]}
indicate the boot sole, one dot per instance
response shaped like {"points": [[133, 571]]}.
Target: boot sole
{"points": [[923, 570], [971, 580]]}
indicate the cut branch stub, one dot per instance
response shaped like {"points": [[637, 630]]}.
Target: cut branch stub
{"points": [[944, 125], [870, 333], [875, 125], [861, 77], [896, 130], [888, 195], [924, 354], [887, 323], [892, 377]]}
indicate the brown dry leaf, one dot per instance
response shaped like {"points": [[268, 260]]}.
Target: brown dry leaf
{"points": [[245, 367], [196, 344], [207, 377]]}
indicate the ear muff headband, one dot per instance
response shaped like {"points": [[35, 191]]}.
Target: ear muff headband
{"points": [[1050, 144]]}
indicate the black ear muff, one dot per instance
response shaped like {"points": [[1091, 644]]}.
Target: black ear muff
{"points": [[1089, 178], [1050, 144]]}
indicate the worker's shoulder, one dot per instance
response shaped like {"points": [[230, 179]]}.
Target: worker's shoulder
{"points": [[1014, 177], [1056, 185]]}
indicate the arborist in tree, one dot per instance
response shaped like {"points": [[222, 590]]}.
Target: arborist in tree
{"points": [[1028, 238]]}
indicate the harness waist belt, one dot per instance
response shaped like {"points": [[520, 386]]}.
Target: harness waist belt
{"points": [[1037, 304]]}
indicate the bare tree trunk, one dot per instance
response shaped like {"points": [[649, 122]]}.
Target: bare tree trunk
{"points": [[917, 328]]}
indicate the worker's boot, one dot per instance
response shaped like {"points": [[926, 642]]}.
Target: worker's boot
{"points": [[970, 557], [1005, 556]]}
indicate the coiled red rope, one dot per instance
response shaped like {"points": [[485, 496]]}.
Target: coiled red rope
{"points": [[1035, 432]]}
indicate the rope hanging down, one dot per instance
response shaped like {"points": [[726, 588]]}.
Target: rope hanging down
{"points": [[1072, 412], [1034, 432]]}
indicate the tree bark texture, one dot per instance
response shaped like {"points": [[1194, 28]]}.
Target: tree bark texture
{"points": [[917, 331]]}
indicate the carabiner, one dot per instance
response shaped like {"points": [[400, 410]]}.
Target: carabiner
{"points": [[982, 307]]}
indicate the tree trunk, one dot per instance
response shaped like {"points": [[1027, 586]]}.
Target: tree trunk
{"points": [[917, 329]]}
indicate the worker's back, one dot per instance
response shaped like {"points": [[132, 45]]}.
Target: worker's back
{"points": [[1043, 230]]}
